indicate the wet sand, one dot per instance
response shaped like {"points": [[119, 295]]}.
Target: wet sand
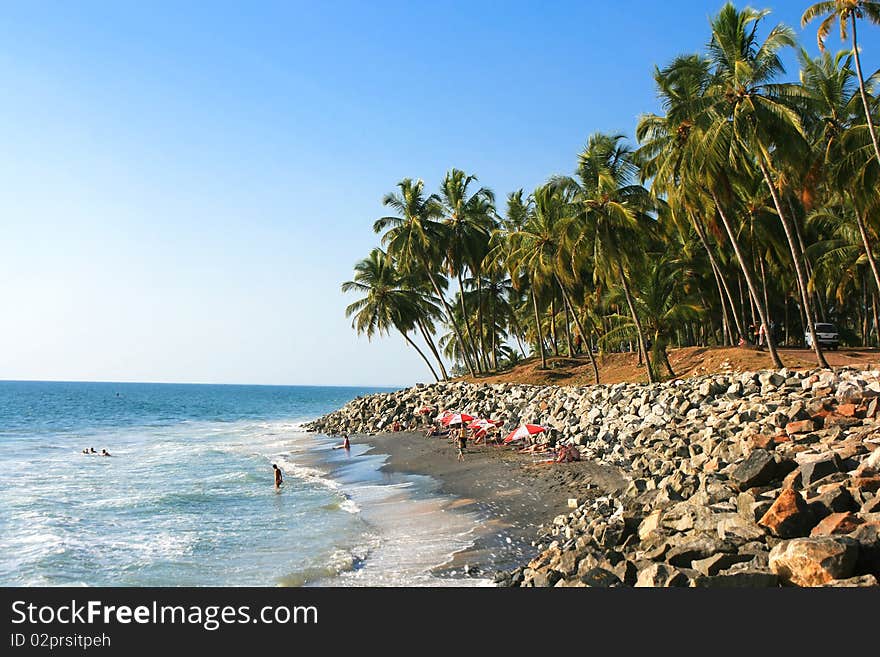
{"points": [[513, 493]]}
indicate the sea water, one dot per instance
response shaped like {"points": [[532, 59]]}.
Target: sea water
{"points": [[187, 496]]}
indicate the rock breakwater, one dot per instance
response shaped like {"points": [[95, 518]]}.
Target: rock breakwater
{"points": [[749, 479]]}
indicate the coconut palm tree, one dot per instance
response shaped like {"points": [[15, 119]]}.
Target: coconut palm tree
{"points": [[468, 223], [843, 11], [612, 216], [414, 239], [386, 305], [760, 114]]}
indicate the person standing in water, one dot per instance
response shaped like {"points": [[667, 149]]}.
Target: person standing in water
{"points": [[278, 478], [345, 442], [462, 443]]}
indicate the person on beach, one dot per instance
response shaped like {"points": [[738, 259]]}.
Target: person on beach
{"points": [[462, 443], [278, 477]]}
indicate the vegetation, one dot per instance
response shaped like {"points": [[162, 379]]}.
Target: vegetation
{"points": [[749, 207]]}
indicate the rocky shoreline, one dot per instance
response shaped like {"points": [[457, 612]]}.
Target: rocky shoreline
{"points": [[753, 479]]}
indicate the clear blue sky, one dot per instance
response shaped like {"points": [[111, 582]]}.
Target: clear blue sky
{"points": [[183, 186]]}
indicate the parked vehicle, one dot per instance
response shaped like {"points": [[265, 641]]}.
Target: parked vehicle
{"points": [[826, 334]]}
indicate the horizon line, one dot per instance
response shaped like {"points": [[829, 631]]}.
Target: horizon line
{"points": [[203, 383]]}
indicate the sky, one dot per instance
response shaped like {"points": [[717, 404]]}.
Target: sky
{"points": [[184, 186]]}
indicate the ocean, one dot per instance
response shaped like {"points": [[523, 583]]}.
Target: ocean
{"points": [[187, 496]]}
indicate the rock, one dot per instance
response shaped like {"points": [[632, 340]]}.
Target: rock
{"points": [[789, 516], [600, 578], [758, 469], [868, 537], [836, 499], [661, 575], [698, 548], [650, 524], [814, 561], [742, 579], [870, 466], [717, 562], [800, 426], [821, 466], [854, 582], [837, 523], [870, 484]]}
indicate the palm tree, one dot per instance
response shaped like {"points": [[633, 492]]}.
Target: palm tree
{"points": [[414, 240], [538, 248], [386, 304], [763, 123], [612, 212], [843, 11], [467, 226]]}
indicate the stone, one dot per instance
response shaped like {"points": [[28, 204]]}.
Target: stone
{"points": [[847, 410], [698, 548], [854, 582], [870, 484], [815, 469], [837, 523], [717, 562], [661, 575], [789, 516], [868, 537], [814, 561], [650, 524], [600, 578], [800, 426], [870, 465], [758, 469], [740, 579], [836, 499]]}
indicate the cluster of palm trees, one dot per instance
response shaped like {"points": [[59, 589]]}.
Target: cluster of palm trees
{"points": [[751, 205]]}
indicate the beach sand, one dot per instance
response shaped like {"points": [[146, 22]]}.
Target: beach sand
{"points": [[513, 493]]}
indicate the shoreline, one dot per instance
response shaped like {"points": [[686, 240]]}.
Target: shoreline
{"points": [[513, 494]]}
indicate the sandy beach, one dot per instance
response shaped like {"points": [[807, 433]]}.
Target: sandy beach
{"points": [[514, 492]]}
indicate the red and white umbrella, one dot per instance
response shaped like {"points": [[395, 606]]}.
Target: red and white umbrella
{"points": [[524, 431], [442, 415], [482, 423], [424, 410], [457, 418]]}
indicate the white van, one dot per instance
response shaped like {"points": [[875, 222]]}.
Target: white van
{"points": [[826, 334]]}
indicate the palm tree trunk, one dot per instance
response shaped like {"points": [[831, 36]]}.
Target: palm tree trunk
{"points": [[726, 329], [777, 362], [450, 317], [876, 322], [863, 231], [802, 253], [430, 341], [584, 334], [538, 329], [643, 347], [553, 325], [467, 324], [494, 334], [719, 274], [568, 330], [802, 282], [421, 353], [862, 91], [764, 282], [480, 327]]}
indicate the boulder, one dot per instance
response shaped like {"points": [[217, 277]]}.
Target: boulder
{"points": [[837, 523], [821, 466], [858, 581], [789, 516], [814, 561], [661, 575], [758, 469], [800, 426], [711, 566]]}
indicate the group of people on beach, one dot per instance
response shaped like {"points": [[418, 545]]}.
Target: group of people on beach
{"points": [[91, 450]]}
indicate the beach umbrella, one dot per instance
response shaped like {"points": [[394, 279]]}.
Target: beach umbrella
{"points": [[442, 415], [524, 431], [424, 410], [483, 423], [457, 418]]}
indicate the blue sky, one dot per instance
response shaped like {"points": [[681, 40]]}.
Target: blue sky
{"points": [[183, 186]]}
